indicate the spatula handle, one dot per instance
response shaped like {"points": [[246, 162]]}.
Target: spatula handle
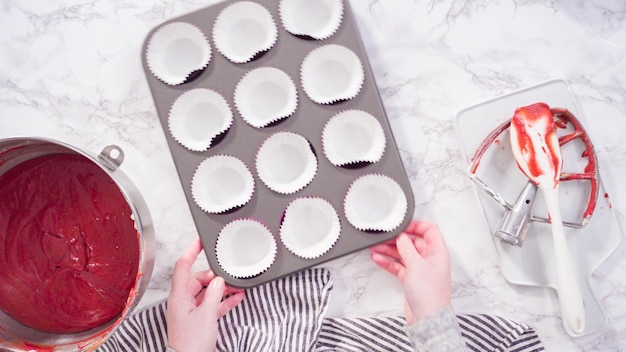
{"points": [[570, 298]]}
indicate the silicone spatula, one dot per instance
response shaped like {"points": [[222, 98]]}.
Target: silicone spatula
{"points": [[537, 153]]}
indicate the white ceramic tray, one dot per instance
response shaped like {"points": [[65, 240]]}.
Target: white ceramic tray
{"points": [[533, 263]]}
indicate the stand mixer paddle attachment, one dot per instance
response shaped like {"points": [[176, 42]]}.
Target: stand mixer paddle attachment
{"points": [[518, 216]]}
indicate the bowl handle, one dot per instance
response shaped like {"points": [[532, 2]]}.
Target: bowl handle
{"points": [[112, 157]]}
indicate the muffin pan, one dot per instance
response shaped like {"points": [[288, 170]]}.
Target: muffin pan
{"points": [[278, 134]]}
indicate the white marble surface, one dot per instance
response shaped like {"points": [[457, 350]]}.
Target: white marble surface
{"points": [[71, 70]]}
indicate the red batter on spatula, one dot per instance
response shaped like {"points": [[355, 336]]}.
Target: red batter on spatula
{"points": [[537, 152]]}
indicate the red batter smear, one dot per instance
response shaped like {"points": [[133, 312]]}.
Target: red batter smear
{"points": [[537, 119], [562, 118], [591, 169], [69, 250]]}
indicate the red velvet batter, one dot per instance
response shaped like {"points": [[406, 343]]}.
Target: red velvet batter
{"points": [[563, 118], [69, 250], [535, 114]]}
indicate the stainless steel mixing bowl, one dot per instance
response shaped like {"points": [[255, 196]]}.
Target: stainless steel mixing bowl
{"points": [[15, 336]]}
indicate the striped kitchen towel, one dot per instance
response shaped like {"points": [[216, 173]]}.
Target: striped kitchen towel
{"points": [[288, 315], [480, 333], [281, 315]]}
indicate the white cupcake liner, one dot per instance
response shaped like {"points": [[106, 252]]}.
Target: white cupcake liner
{"points": [[310, 227], [197, 117], [176, 50], [375, 203], [285, 162], [221, 183], [245, 248], [331, 73], [265, 95], [353, 136], [243, 30], [317, 19]]}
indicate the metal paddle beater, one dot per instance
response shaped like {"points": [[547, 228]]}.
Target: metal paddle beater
{"points": [[518, 216]]}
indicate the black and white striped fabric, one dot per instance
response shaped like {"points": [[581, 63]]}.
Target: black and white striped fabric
{"points": [[282, 315], [143, 331], [480, 333], [288, 315], [363, 334], [493, 333]]}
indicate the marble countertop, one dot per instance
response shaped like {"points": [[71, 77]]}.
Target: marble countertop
{"points": [[71, 70]]}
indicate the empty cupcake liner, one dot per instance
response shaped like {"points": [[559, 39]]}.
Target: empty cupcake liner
{"points": [[285, 162], [353, 136], [265, 95], [243, 30], [317, 19], [310, 227], [375, 203], [221, 183], [176, 50], [331, 73], [245, 248], [197, 117]]}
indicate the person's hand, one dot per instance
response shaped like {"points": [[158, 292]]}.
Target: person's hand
{"points": [[192, 311], [418, 257]]}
